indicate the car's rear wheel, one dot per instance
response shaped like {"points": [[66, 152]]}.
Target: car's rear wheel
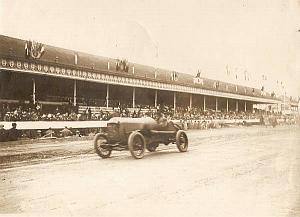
{"points": [[136, 145], [152, 147], [182, 141], [99, 141]]}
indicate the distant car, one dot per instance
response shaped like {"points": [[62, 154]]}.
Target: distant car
{"points": [[137, 135]]}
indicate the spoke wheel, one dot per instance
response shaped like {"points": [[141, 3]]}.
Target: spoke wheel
{"points": [[136, 145], [99, 141], [181, 141]]}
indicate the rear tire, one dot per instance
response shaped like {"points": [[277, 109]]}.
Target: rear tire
{"points": [[182, 141], [99, 140], [136, 145]]}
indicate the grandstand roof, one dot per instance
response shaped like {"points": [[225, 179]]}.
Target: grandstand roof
{"points": [[15, 49]]}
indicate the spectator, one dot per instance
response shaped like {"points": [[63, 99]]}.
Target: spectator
{"points": [[13, 133], [49, 133], [66, 132], [89, 113], [3, 134]]}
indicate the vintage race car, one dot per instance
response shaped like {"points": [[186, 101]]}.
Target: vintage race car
{"points": [[138, 134]]}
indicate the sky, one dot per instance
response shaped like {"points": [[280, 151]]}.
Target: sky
{"points": [[222, 39]]}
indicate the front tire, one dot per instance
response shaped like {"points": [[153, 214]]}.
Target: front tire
{"points": [[182, 141], [99, 140], [136, 145]]}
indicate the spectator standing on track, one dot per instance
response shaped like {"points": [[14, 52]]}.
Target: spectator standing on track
{"points": [[3, 134], [66, 132], [13, 133], [261, 120], [49, 133]]}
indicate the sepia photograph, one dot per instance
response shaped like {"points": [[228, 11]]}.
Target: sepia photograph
{"points": [[150, 108]]}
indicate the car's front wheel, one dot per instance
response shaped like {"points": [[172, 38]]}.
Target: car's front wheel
{"points": [[182, 141], [99, 141], [136, 145]]}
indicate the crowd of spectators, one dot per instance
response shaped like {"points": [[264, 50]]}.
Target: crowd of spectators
{"points": [[36, 113]]}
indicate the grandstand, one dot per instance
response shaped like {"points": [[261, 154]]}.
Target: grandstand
{"points": [[49, 79]]}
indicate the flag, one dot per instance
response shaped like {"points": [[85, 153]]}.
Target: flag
{"points": [[227, 70], [42, 48], [198, 81], [174, 76]]}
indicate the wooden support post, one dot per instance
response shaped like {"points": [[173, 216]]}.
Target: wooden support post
{"points": [[33, 91], [107, 95], [204, 106], [133, 97], [174, 102], [155, 99], [75, 93], [227, 105]]}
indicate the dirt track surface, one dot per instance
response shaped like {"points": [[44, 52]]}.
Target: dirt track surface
{"points": [[226, 172]]}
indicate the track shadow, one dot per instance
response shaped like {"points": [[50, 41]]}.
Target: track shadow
{"points": [[125, 155], [163, 152]]}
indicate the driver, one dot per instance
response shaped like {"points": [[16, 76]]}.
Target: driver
{"points": [[162, 121]]}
